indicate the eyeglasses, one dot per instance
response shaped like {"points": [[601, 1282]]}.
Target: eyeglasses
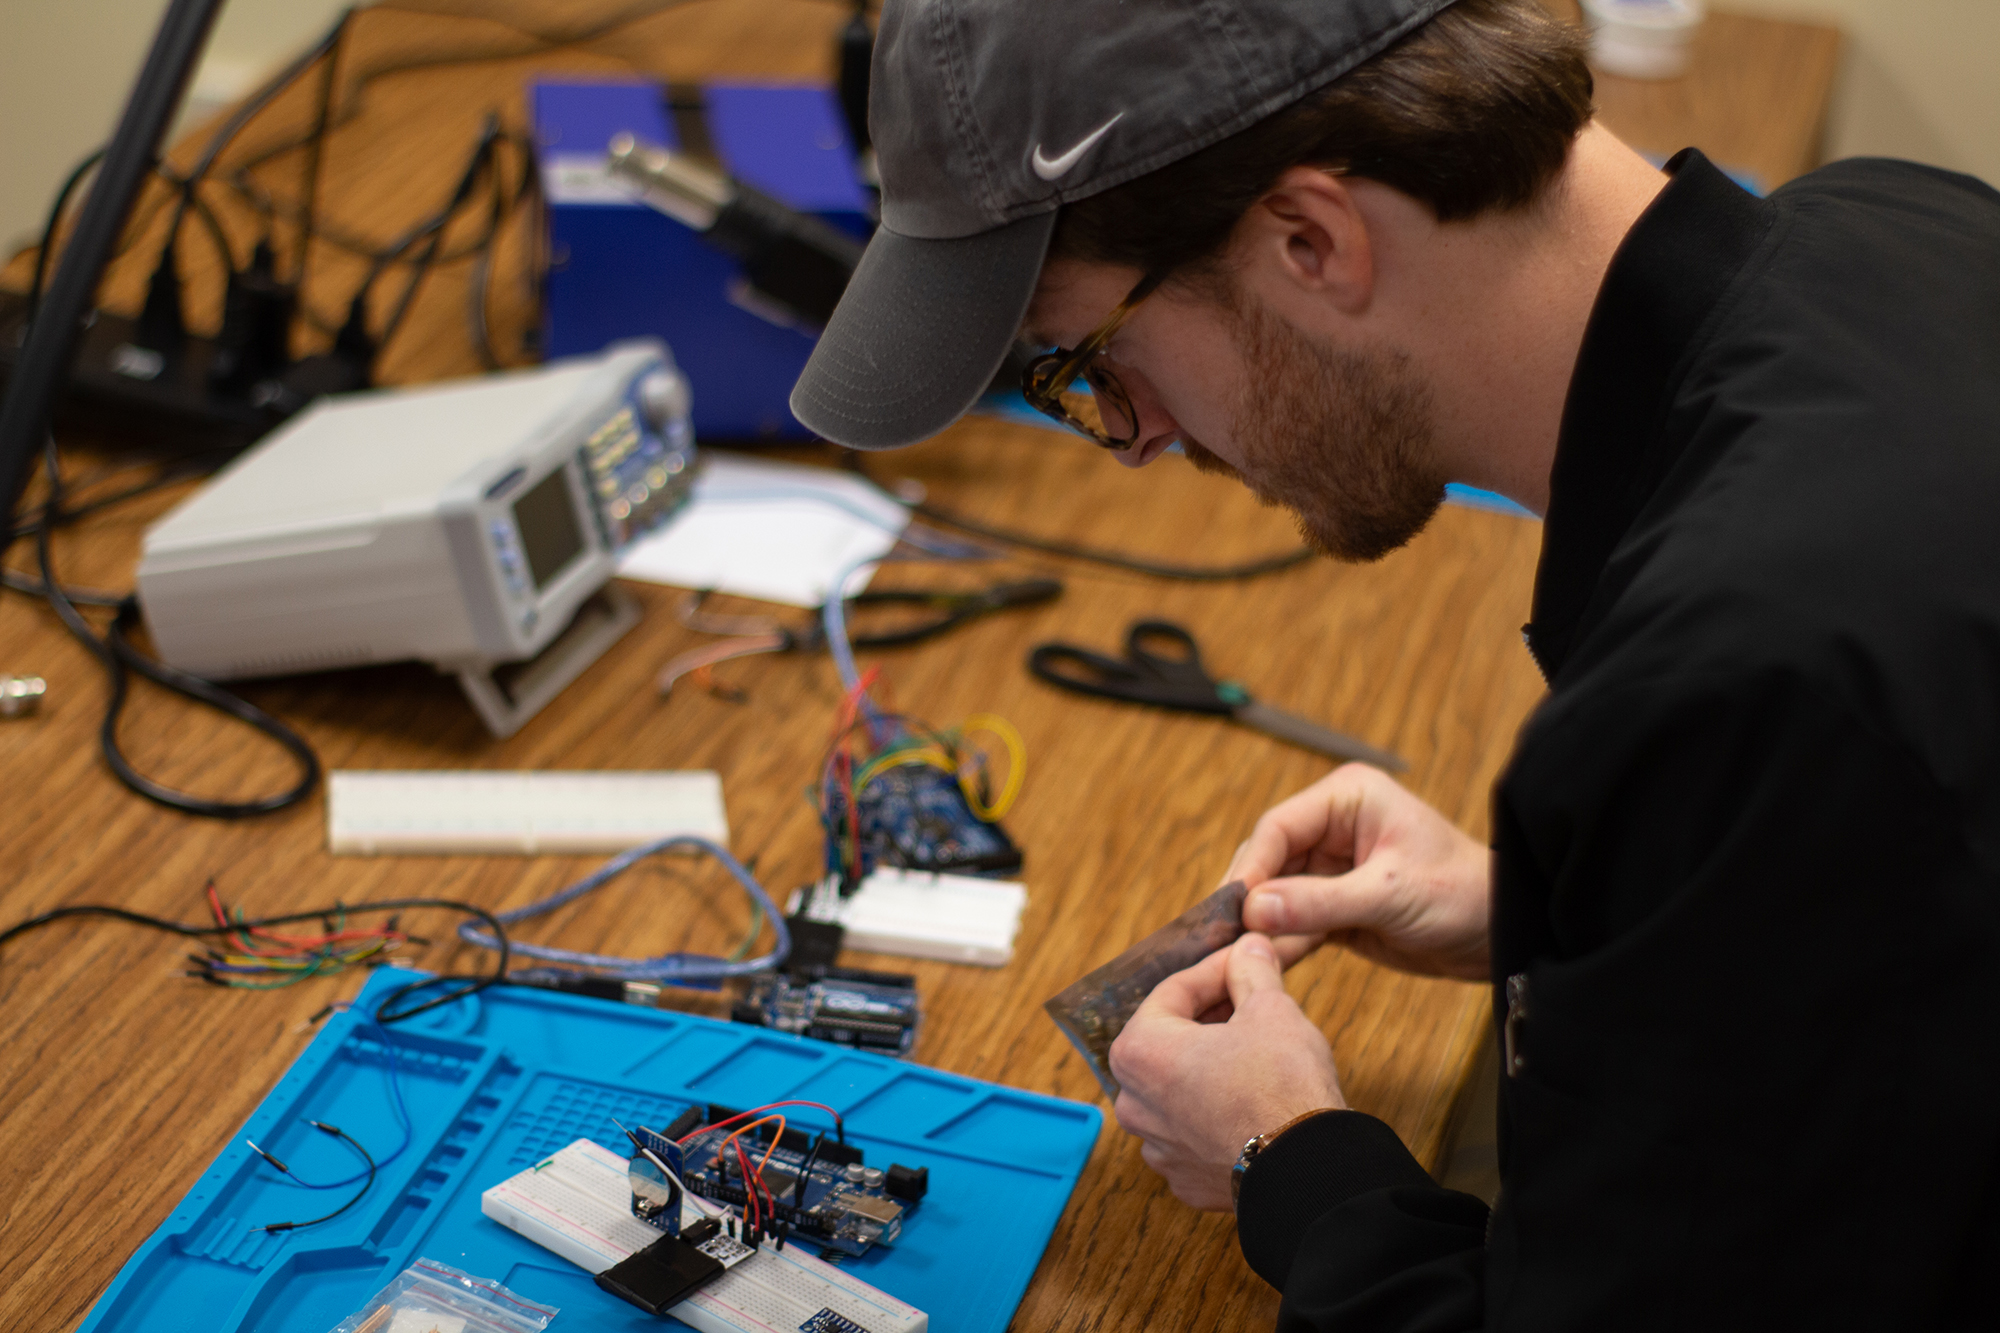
{"points": [[1069, 386]]}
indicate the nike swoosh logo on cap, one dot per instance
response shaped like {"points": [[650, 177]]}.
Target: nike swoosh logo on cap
{"points": [[1054, 168]]}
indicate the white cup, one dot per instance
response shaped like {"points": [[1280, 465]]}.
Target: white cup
{"points": [[1642, 39]]}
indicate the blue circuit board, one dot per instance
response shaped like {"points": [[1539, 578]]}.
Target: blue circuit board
{"points": [[820, 1187], [874, 1011], [917, 817]]}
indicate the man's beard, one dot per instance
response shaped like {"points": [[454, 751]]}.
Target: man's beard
{"points": [[1338, 437]]}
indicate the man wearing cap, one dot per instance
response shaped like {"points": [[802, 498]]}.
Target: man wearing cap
{"points": [[1742, 909]]}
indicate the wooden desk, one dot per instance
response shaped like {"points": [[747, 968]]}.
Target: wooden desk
{"points": [[120, 1080]]}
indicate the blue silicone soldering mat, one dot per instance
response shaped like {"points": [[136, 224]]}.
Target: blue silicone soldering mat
{"points": [[492, 1084]]}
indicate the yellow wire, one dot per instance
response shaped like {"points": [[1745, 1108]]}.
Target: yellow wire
{"points": [[932, 755], [1017, 766]]}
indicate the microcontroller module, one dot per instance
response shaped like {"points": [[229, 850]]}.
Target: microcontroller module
{"points": [[918, 818], [801, 1186], [874, 1011]]}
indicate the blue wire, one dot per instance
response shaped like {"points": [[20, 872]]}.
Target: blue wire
{"points": [[674, 967]]}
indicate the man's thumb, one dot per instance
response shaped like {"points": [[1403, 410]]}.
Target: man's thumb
{"points": [[1253, 969]]}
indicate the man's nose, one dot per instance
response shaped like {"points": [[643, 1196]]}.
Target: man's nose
{"points": [[1157, 428]]}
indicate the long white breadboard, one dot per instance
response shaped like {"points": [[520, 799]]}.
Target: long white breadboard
{"points": [[368, 813], [579, 1204], [954, 918]]}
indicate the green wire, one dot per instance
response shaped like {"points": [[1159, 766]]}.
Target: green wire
{"points": [[742, 950]]}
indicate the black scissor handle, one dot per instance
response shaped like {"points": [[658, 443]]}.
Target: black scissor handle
{"points": [[1127, 680], [1168, 651]]}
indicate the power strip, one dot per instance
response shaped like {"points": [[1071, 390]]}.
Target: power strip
{"points": [[137, 396], [578, 1204]]}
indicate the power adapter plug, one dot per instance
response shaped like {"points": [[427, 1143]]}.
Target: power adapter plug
{"points": [[255, 342]]}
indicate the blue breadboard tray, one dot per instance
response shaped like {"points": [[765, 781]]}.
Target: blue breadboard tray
{"points": [[494, 1083]]}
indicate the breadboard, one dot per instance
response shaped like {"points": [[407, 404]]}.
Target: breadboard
{"points": [[576, 1203], [952, 918], [371, 813]]}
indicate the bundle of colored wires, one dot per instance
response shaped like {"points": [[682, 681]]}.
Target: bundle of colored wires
{"points": [[259, 958], [395, 1006], [869, 741]]}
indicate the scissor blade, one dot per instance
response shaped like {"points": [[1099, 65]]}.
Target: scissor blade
{"points": [[1337, 745]]}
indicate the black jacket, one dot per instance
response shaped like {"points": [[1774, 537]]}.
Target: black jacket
{"points": [[1747, 852]]}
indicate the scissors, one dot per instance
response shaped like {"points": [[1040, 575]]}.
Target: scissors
{"points": [[1162, 667]]}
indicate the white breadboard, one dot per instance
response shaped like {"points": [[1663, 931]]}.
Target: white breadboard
{"points": [[369, 813], [953, 918], [579, 1204]]}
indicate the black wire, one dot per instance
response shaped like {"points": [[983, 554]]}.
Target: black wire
{"points": [[309, 205], [245, 112], [69, 185], [33, 587], [327, 44], [195, 465], [366, 1185], [120, 658], [383, 1012], [1094, 554], [482, 262], [430, 232]]}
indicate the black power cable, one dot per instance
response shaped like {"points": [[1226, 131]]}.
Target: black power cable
{"points": [[429, 234], [119, 658], [386, 1012], [1158, 569], [70, 182]]}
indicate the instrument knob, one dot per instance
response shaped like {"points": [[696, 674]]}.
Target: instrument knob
{"points": [[664, 397]]}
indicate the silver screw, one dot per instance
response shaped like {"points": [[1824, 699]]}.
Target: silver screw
{"points": [[21, 695]]}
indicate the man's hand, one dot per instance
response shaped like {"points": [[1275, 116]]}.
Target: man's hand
{"points": [[1197, 1092], [1356, 857]]}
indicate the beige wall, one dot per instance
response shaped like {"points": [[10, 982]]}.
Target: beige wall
{"points": [[1921, 79], [66, 66]]}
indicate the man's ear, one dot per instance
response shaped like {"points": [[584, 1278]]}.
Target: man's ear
{"points": [[1307, 233]]}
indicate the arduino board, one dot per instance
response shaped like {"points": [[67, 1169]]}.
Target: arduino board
{"points": [[916, 817], [804, 1186], [874, 1011]]}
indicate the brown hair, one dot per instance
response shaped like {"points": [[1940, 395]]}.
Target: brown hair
{"points": [[1475, 110]]}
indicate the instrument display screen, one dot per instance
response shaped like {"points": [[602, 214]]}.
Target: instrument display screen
{"points": [[550, 534]]}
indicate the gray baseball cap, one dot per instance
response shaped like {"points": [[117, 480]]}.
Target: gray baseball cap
{"points": [[989, 115]]}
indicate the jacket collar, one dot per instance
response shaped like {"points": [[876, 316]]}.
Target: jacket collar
{"points": [[1666, 278]]}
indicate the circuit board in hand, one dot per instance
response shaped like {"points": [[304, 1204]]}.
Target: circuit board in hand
{"points": [[874, 1011], [820, 1189], [917, 817], [1094, 1010]]}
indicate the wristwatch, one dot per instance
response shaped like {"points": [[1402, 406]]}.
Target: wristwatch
{"points": [[1256, 1146]]}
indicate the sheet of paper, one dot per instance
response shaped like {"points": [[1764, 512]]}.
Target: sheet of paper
{"points": [[779, 532]]}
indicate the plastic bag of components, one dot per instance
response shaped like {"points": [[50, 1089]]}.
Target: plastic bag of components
{"points": [[429, 1297]]}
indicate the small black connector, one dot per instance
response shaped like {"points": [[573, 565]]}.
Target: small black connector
{"points": [[162, 321], [840, 1154], [815, 944], [907, 1183], [255, 342]]}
